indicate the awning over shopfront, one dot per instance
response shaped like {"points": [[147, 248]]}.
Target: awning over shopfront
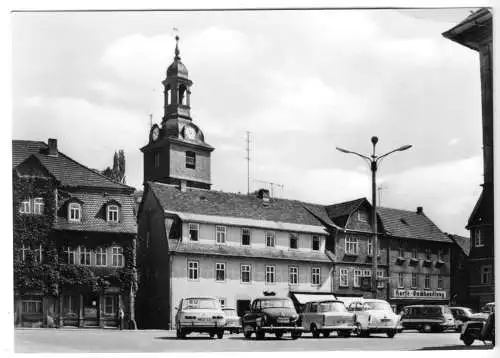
{"points": [[303, 298]]}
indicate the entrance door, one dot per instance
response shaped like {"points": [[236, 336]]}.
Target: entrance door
{"points": [[242, 306], [71, 306], [90, 309]]}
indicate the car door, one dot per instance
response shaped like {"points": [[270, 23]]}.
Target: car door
{"points": [[250, 317], [305, 316]]}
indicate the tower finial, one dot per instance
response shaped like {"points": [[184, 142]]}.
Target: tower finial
{"points": [[177, 52]]}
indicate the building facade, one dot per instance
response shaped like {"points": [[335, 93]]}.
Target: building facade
{"points": [[74, 234], [476, 32], [459, 271]]}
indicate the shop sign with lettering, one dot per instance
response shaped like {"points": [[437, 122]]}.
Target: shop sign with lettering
{"points": [[404, 293]]}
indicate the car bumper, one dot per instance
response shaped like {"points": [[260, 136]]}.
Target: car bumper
{"points": [[344, 327], [273, 329], [382, 329], [202, 325]]}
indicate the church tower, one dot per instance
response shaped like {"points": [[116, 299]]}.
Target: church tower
{"points": [[177, 153]]}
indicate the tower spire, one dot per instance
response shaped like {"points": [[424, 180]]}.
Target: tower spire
{"points": [[177, 52]]}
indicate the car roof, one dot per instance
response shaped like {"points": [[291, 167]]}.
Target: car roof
{"points": [[371, 300], [462, 308], [200, 297], [272, 298], [323, 301]]}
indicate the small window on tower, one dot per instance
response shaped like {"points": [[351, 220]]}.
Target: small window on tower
{"points": [[190, 160], [182, 95], [169, 96]]}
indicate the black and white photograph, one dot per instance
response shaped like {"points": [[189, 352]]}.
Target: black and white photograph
{"points": [[251, 179]]}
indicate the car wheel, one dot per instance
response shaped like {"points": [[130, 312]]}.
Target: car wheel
{"points": [[468, 339], [296, 335], [357, 330], [247, 331], [391, 334], [326, 334], [220, 334], [427, 328], [212, 335], [314, 331], [260, 335], [180, 333], [278, 334]]}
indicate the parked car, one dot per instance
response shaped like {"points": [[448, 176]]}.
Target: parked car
{"points": [[233, 321], [488, 308], [374, 316], [199, 314], [428, 318], [461, 315], [482, 329], [324, 317], [272, 314]]}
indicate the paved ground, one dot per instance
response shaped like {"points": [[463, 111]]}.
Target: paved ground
{"points": [[94, 340]]}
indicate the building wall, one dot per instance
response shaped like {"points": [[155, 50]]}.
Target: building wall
{"points": [[232, 289], [207, 235], [178, 163]]}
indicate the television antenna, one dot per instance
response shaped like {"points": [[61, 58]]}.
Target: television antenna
{"points": [[272, 185]]}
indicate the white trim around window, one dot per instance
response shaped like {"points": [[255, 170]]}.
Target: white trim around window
{"points": [[270, 274], [194, 231], [100, 256], [113, 213], [246, 273], [117, 259], [316, 276], [193, 270], [351, 245], [344, 277], [270, 238], [357, 278], [74, 212], [401, 280], [220, 272], [293, 275], [220, 234]]}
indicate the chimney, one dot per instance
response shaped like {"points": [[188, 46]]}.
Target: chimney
{"points": [[183, 185], [264, 195], [53, 147], [420, 210]]}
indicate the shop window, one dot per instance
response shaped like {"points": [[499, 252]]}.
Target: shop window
{"points": [[110, 303]]}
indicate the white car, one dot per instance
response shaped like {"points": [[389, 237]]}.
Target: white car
{"points": [[200, 314], [374, 316], [327, 316]]}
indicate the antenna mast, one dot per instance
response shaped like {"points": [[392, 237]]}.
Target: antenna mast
{"points": [[150, 120], [271, 185], [379, 189], [248, 162]]}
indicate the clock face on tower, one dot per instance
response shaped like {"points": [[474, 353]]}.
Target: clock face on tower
{"points": [[155, 133], [189, 133]]}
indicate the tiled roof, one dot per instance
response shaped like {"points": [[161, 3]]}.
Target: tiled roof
{"points": [[67, 171], [239, 251], [409, 224], [340, 212], [462, 242], [209, 202], [94, 213]]}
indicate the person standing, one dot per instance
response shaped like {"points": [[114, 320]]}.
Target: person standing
{"points": [[121, 316]]}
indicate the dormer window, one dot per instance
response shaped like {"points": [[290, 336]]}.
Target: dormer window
{"points": [[25, 207], [113, 213], [74, 212], [363, 216]]}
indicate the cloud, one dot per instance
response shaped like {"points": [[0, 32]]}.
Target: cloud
{"points": [[454, 141]]}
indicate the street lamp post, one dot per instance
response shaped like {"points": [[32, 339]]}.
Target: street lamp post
{"points": [[373, 160]]}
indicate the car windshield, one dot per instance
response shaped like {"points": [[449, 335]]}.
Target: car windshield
{"points": [[446, 310], [381, 306], [284, 303], [229, 312], [200, 303], [331, 307]]}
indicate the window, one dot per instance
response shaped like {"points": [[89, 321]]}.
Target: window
{"points": [[100, 256], [194, 230], [439, 282], [351, 245], [367, 273], [32, 306], [344, 278], [478, 238], [428, 254], [84, 256], [109, 305], [427, 282], [293, 275], [39, 254], [401, 251], [246, 273], [370, 247], [486, 274], [315, 243], [74, 212], [70, 256], [294, 241], [38, 206], [414, 252], [25, 207], [363, 216], [270, 274], [220, 234], [222, 302], [357, 276], [117, 256], [113, 213], [193, 270], [380, 276], [220, 272], [316, 276], [401, 280], [270, 239], [190, 160], [440, 255], [245, 237], [157, 159], [414, 280]]}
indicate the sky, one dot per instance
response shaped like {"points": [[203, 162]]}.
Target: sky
{"points": [[302, 82]]}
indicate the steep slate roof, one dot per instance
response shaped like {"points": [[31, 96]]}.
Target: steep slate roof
{"points": [[462, 242], [67, 171], [409, 224], [94, 213], [209, 202], [340, 212], [238, 251]]}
